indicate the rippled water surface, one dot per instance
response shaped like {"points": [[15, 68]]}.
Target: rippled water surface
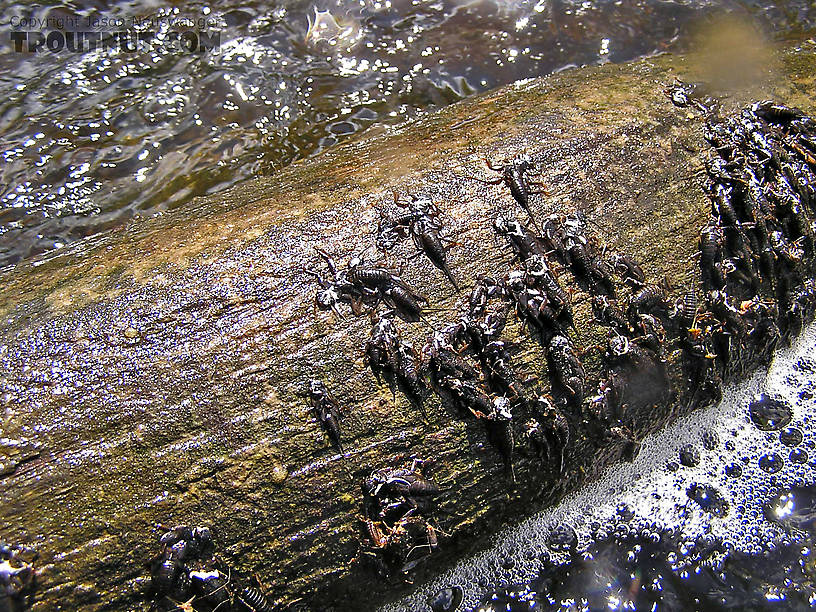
{"points": [[90, 140]]}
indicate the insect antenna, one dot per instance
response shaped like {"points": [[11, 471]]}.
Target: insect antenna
{"points": [[329, 261]]}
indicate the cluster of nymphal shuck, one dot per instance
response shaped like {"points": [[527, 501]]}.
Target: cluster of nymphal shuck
{"points": [[186, 575], [756, 251], [397, 508], [753, 288], [17, 577]]}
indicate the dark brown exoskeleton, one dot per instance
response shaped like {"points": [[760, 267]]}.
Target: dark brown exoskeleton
{"points": [[533, 307], [712, 241], [375, 533], [684, 94], [327, 410], [495, 322], [607, 313], [341, 289], [800, 306], [453, 336], [411, 540], [410, 375], [404, 483], [482, 330], [407, 304], [371, 277], [608, 405], [425, 233], [444, 362], [396, 224], [381, 351], [212, 587], [499, 424], [548, 431], [628, 269], [726, 172], [389, 287], [777, 113], [706, 380], [584, 258], [514, 175], [543, 279], [649, 300], [790, 204], [720, 137], [423, 541], [723, 207], [685, 309], [791, 252], [554, 238], [575, 240], [600, 276], [523, 242], [169, 572], [736, 270], [761, 319], [498, 369], [569, 372], [470, 395], [652, 335], [728, 315], [397, 532], [800, 177], [483, 290], [621, 350]]}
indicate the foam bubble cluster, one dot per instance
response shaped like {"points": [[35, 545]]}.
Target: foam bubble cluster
{"points": [[738, 492]]}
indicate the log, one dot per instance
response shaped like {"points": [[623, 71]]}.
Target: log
{"points": [[151, 377]]}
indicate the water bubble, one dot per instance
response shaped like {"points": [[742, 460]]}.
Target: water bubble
{"points": [[689, 455], [624, 511], [793, 508], [771, 463], [804, 364], [708, 498], [799, 455], [447, 599], [790, 436], [769, 413], [710, 439], [563, 538], [734, 470]]}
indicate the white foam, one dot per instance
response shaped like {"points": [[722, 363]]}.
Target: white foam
{"points": [[657, 496]]}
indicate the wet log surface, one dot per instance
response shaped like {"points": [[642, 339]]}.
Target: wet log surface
{"points": [[152, 378]]}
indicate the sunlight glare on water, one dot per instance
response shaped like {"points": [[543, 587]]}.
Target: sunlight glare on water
{"points": [[91, 140]]}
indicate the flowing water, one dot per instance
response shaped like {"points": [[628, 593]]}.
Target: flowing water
{"points": [[717, 512], [92, 139]]}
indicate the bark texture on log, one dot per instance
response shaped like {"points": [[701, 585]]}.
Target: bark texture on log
{"points": [[151, 377]]}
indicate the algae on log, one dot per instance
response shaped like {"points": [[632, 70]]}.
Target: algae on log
{"points": [[152, 376]]}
